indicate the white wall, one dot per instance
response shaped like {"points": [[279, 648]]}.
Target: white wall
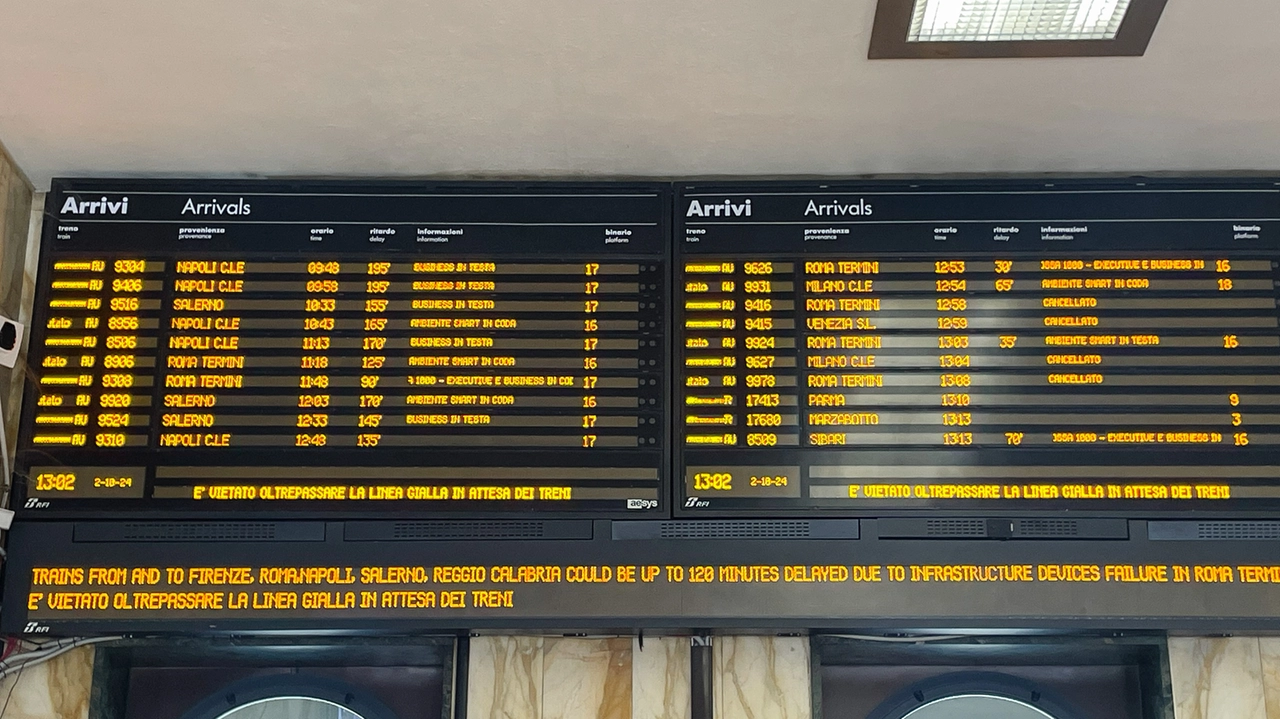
{"points": [[661, 87]]}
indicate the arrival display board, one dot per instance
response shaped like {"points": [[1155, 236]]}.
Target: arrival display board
{"points": [[425, 348], [1093, 346]]}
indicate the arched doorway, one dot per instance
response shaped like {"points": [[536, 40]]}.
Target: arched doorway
{"points": [[290, 696], [974, 695]]}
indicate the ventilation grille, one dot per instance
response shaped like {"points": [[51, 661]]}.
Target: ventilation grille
{"points": [[468, 530], [694, 529], [1237, 530], [1003, 529], [798, 529], [1213, 531], [956, 527], [198, 531], [1047, 528], [479, 530]]}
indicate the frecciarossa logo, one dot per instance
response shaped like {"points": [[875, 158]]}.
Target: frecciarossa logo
{"points": [[102, 206]]}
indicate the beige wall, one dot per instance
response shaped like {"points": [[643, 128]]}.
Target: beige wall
{"points": [[756, 677], [516, 677], [57, 689], [371, 87], [1225, 677], [15, 221]]}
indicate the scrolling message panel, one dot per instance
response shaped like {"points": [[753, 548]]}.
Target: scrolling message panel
{"points": [[252, 346], [1095, 347], [61, 586]]}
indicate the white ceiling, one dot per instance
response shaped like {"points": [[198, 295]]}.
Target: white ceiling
{"points": [[606, 87]]}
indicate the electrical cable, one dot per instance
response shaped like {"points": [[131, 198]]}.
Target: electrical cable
{"points": [[6, 484], [34, 658], [18, 662], [5, 709], [899, 640], [39, 649], [4, 449]]}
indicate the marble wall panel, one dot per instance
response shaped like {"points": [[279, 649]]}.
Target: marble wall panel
{"points": [[660, 678], [578, 678], [586, 678], [1269, 650], [762, 677], [1217, 678], [504, 678], [15, 221], [57, 689]]}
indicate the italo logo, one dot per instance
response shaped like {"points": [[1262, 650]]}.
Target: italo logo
{"points": [[76, 206], [213, 207], [835, 209], [718, 209]]}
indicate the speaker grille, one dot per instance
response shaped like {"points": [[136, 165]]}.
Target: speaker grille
{"points": [[411, 531], [956, 527], [467, 530], [1047, 528], [199, 531], [1238, 530], [777, 529], [694, 529], [1034, 529]]}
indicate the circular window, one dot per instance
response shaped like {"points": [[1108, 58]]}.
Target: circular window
{"points": [[974, 695], [290, 696]]}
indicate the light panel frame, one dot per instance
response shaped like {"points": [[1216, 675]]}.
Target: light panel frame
{"points": [[1003, 20], [893, 24]]}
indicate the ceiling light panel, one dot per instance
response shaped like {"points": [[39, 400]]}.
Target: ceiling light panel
{"points": [[1014, 20]]}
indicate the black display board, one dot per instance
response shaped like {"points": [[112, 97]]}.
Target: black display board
{"points": [[230, 347], [1105, 347], [979, 404]]}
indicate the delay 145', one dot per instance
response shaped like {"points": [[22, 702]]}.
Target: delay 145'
{"points": [[440, 352], [1097, 347]]}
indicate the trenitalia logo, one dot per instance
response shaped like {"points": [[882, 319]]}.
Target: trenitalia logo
{"points": [[75, 206], [718, 209]]}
